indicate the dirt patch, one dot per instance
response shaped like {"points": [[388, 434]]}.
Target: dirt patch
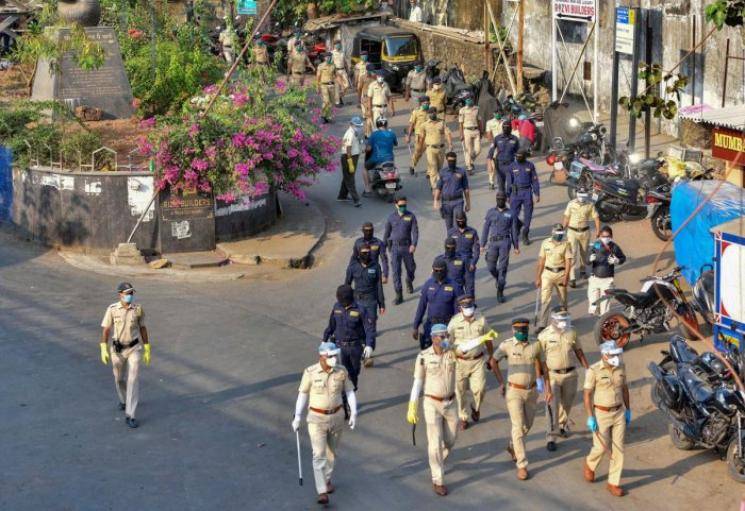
{"points": [[14, 82]]}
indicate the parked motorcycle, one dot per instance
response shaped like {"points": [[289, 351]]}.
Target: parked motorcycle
{"points": [[621, 199], [703, 294], [652, 310], [583, 172], [702, 404], [456, 88], [385, 180], [658, 204]]}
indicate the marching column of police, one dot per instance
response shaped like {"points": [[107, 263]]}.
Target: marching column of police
{"points": [[456, 341]]}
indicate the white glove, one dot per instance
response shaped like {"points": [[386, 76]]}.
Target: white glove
{"points": [[352, 421], [296, 423], [367, 353], [612, 259], [593, 257]]}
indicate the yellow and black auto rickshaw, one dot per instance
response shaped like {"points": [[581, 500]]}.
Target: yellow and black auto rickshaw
{"points": [[391, 49]]}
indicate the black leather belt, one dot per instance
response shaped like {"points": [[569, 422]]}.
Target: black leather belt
{"points": [[555, 270], [471, 127], [402, 243], [562, 371], [500, 238], [417, 90], [350, 342], [523, 187], [339, 69], [119, 346], [328, 83], [453, 199], [379, 106], [579, 229], [437, 146]]}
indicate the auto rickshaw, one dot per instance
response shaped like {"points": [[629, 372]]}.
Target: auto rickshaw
{"points": [[390, 49]]}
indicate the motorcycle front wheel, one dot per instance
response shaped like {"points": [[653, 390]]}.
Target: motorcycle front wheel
{"points": [[661, 224], [605, 217], [679, 440], [735, 464], [609, 326]]}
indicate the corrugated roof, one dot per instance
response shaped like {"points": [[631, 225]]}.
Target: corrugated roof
{"points": [[731, 117]]}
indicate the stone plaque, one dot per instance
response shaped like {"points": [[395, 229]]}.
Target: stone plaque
{"points": [[106, 88], [187, 221]]}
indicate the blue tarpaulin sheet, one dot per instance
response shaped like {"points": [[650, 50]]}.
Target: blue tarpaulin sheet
{"points": [[694, 245], [6, 183]]}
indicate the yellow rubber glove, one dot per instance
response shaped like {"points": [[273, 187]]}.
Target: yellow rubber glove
{"points": [[491, 335], [350, 162], [146, 356], [104, 353], [411, 415]]}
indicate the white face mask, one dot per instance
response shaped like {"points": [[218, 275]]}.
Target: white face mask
{"points": [[380, 79], [331, 361], [582, 197], [563, 324], [614, 361], [468, 311], [605, 239]]}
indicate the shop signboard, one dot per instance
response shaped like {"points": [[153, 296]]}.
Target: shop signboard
{"points": [[728, 144]]}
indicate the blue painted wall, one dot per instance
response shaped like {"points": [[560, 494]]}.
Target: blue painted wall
{"points": [[6, 184]]}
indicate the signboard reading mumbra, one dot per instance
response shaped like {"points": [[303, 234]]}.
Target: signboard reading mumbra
{"points": [[728, 144]]}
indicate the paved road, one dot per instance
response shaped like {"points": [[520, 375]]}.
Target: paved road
{"points": [[217, 401]]}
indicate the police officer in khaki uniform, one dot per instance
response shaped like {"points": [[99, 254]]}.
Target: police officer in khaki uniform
{"points": [[577, 216], [260, 53], [325, 83], [472, 339], [434, 133], [363, 87], [129, 344], [608, 414], [434, 370], [379, 99], [416, 83], [524, 377], [559, 343], [437, 96], [554, 259], [298, 63], [320, 392], [416, 123], [341, 83], [470, 133], [360, 73]]}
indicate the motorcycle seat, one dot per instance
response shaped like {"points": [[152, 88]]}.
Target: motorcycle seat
{"points": [[698, 388], [635, 299], [707, 278]]}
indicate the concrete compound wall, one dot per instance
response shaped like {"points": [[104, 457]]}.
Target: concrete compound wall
{"points": [[94, 211]]}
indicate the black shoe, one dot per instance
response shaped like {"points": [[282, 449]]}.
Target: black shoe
{"points": [[409, 287], [551, 446], [470, 171], [500, 296], [527, 241], [326, 120], [122, 406], [412, 171], [367, 194], [399, 299], [357, 204], [491, 186], [132, 423], [563, 433], [572, 283], [539, 329]]}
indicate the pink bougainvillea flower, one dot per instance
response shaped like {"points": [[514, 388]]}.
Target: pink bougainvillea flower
{"points": [[147, 123], [280, 85], [210, 89], [199, 164], [194, 130]]}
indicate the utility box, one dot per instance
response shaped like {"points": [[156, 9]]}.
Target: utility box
{"points": [[729, 294]]}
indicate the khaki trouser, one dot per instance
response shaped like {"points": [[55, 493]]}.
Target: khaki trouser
{"points": [[327, 92], [596, 288], [435, 157], [471, 146], [377, 112], [564, 390], [491, 171], [549, 281], [612, 429], [521, 407], [325, 434], [442, 428], [367, 117], [297, 79], [469, 374], [418, 150], [128, 390], [341, 84], [579, 241]]}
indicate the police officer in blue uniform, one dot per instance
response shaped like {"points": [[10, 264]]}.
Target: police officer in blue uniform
{"points": [[498, 235], [377, 248], [350, 328], [401, 237], [457, 268], [505, 146], [521, 186], [452, 192], [466, 245], [366, 277], [438, 300]]}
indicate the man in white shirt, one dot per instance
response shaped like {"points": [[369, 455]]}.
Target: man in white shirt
{"points": [[416, 14], [350, 153]]}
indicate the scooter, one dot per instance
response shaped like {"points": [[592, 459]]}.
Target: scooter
{"points": [[385, 180]]}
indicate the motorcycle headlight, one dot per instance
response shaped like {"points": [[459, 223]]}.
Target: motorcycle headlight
{"points": [[395, 68], [635, 158], [573, 122]]}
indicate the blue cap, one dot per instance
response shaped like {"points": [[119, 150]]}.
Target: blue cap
{"points": [[328, 349], [610, 348], [439, 329], [356, 121]]}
